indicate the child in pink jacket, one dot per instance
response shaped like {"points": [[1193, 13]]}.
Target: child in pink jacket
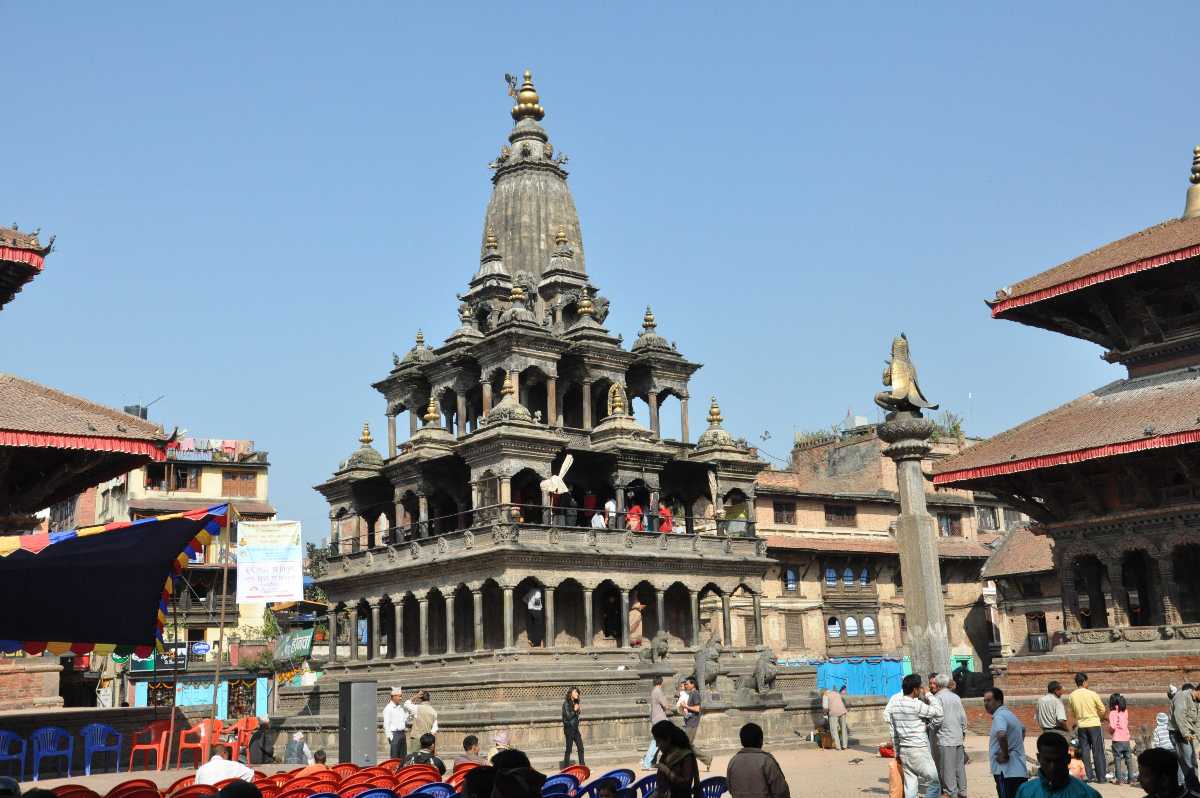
{"points": [[1118, 726]]}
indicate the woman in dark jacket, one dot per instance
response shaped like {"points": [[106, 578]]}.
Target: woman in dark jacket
{"points": [[678, 773], [570, 719]]}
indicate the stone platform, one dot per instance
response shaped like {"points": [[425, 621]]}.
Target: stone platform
{"points": [[1117, 666]]}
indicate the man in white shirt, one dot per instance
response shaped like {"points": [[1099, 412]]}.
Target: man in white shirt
{"points": [[533, 601], [600, 520], [220, 767], [610, 512], [395, 721], [907, 715]]}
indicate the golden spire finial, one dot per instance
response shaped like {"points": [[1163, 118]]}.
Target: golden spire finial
{"points": [[365, 438], [1191, 210], [648, 322], [584, 307], [431, 412], [527, 101], [490, 240], [714, 414], [518, 294], [420, 340], [507, 388], [560, 237]]}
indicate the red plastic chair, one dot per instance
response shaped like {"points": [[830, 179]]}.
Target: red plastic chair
{"points": [[345, 769], [74, 791], [199, 738], [581, 772], [301, 793], [243, 730], [409, 770], [186, 781], [410, 787], [220, 785], [196, 791], [130, 785], [155, 740]]}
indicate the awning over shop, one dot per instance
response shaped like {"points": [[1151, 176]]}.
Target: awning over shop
{"points": [[103, 588]]}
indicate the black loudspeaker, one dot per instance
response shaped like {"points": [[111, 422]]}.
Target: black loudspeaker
{"points": [[358, 725]]}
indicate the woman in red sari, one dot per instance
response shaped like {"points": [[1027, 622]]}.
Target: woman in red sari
{"points": [[666, 521], [633, 519]]}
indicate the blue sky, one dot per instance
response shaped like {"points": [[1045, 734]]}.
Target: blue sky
{"points": [[256, 204]]}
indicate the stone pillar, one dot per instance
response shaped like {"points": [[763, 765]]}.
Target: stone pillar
{"points": [[477, 606], [548, 603], [619, 521], [332, 618], [652, 400], [652, 512], [450, 622], [726, 620], [660, 608], [1117, 599], [423, 530], [391, 426], [505, 489], [423, 623], [398, 608], [508, 616], [487, 395], [683, 419], [624, 618], [551, 401], [413, 421], [1063, 559], [334, 543], [354, 633], [694, 600], [1167, 588], [461, 410], [589, 634], [758, 621], [516, 381], [907, 434], [373, 635], [587, 404]]}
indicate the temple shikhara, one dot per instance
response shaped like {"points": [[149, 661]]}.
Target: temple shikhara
{"points": [[479, 555], [1111, 478]]}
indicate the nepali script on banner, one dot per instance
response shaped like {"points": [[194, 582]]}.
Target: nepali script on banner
{"points": [[269, 561]]}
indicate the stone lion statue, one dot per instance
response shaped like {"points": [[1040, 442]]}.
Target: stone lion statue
{"points": [[707, 665], [656, 650], [762, 679]]}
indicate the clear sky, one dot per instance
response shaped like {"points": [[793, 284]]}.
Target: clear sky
{"points": [[257, 203]]}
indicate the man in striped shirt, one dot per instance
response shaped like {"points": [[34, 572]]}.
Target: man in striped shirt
{"points": [[908, 714]]}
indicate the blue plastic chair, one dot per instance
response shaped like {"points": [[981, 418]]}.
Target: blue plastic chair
{"points": [[628, 792], [12, 749], [94, 742], [378, 792], [646, 785], [559, 784], [439, 789], [623, 777], [714, 787], [50, 742]]}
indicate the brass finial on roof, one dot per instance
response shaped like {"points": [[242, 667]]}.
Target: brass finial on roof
{"points": [[431, 412], [1191, 210], [527, 100], [584, 308], [365, 438], [648, 322], [507, 389], [518, 294], [420, 339], [490, 240], [560, 237], [714, 413]]}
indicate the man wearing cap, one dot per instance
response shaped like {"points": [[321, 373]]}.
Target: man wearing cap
{"points": [[395, 721]]}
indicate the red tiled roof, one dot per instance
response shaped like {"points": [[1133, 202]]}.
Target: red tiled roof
{"points": [[950, 548], [1021, 552], [1169, 242], [1122, 417], [156, 505], [21, 258]]}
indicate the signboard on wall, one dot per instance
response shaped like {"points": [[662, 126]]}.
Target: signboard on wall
{"points": [[270, 561], [294, 645]]}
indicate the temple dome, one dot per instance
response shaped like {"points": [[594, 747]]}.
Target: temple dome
{"points": [[715, 435], [420, 353], [530, 200], [365, 456]]}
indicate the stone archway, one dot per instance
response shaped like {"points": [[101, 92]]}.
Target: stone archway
{"points": [[1185, 561], [412, 625], [1090, 583], [529, 613], [606, 615], [645, 592], [436, 627], [1142, 604], [492, 599], [677, 613], [569, 616], [464, 619]]}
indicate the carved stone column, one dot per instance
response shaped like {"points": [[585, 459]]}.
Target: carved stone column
{"points": [[548, 603], [354, 633], [758, 620], [450, 622], [551, 401], [1070, 597], [332, 618], [486, 385], [907, 434], [460, 427], [477, 606], [589, 634], [1117, 599], [516, 381], [391, 429], [398, 608], [413, 421], [660, 608], [1168, 588], [694, 600], [423, 530], [652, 511], [726, 620], [508, 616], [373, 635], [652, 400], [587, 404], [624, 618], [423, 623], [683, 419]]}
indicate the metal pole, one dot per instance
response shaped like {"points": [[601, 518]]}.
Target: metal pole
{"points": [[174, 676], [231, 519]]}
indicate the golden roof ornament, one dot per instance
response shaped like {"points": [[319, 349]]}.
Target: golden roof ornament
{"points": [[900, 377], [648, 322], [490, 241], [616, 400], [431, 412], [1191, 209], [527, 106], [365, 438], [560, 237], [507, 389], [714, 413], [584, 308], [420, 340], [517, 297]]}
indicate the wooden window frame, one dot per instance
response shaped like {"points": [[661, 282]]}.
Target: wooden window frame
{"points": [[841, 515], [784, 513]]}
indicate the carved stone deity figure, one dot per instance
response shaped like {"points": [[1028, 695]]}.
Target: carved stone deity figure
{"points": [[901, 377]]}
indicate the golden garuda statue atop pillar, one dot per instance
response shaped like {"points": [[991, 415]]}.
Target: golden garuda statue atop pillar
{"points": [[900, 377]]}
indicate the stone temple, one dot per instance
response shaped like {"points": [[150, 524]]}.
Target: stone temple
{"points": [[476, 577]]}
